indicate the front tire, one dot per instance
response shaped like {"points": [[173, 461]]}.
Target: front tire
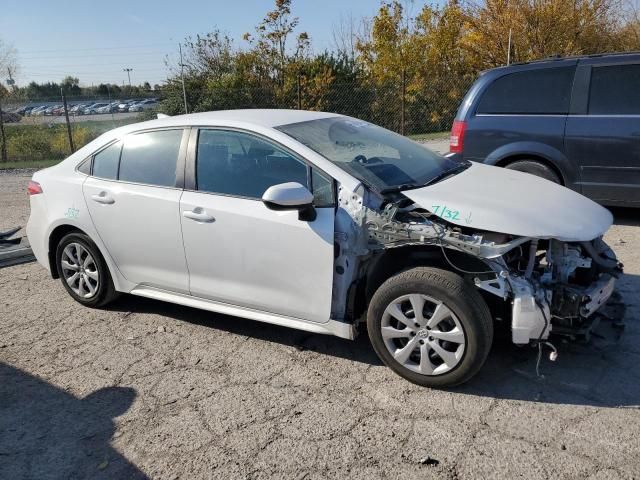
{"points": [[430, 327], [83, 271]]}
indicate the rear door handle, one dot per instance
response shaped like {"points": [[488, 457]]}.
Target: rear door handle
{"points": [[103, 198], [199, 215]]}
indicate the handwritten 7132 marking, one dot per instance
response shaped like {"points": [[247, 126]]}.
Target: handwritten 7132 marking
{"points": [[446, 213]]}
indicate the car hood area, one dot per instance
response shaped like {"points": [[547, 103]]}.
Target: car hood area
{"points": [[506, 201]]}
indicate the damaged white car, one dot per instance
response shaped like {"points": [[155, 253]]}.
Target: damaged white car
{"points": [[325, 223]]}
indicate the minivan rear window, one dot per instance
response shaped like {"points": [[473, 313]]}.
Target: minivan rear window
{"points": [[614, 90], [529, 92]]}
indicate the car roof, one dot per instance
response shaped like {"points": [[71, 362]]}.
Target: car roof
{"points": [[269, 118]]}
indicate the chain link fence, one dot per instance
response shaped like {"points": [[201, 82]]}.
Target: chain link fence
{"points": [[35, 128], [405, 109]]}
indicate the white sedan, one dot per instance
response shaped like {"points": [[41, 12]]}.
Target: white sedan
{"points": [[324, 223]]}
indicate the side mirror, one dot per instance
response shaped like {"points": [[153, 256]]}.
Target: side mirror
{"points": [[291, 196]]}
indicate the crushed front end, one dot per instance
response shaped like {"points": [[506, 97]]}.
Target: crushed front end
{"points": [[560, 287], [545, 285]]}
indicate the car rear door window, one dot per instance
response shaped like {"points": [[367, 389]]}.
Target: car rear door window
{"points": [[105, 162], [530, 92], [243, 165], [615, 90], [151, 157]]}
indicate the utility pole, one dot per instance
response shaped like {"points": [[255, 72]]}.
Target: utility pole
{"points": [[3, 138], [66, 116], [184, 91], [403, 93], [509, 50], [299, 91], [128, 70]]}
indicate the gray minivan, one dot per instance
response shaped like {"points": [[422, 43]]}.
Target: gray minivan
{"points": [[575, 121]]}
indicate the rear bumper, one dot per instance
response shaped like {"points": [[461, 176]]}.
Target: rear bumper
{"points": [[37, 230]]}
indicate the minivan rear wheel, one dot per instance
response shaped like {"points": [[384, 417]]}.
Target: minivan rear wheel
{"points": [[535, 168], [430, 326]]}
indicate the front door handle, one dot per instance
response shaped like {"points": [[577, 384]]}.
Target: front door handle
{"points": [[103, 198], [199, 215]]}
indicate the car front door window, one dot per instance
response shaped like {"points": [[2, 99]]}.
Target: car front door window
{"points": [[243, 165]]}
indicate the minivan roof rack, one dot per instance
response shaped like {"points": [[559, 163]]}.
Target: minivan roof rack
{"points": [[555, 58]]}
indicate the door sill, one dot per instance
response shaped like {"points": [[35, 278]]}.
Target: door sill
{"points": [[331, 327]]}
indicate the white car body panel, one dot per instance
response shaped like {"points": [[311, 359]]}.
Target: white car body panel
{"points": [[259, 258], [141, 230], [500, 200], [330, 327]]}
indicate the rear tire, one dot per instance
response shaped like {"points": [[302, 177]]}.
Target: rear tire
{"points": [[83, 271], [430, 327], [535, 168]]}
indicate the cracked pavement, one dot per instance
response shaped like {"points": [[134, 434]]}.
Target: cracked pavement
{"points": [[147, 389]]}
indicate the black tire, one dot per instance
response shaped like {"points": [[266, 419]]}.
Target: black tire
{"points": [[535, 168], [459, 297], [105, 291]]}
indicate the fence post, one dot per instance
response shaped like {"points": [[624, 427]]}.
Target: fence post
{"points": [[3, 138], [299, 92], [402, 100], [66, 116]]}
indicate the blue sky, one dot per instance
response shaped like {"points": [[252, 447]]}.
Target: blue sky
{"points": [[56, 38]]}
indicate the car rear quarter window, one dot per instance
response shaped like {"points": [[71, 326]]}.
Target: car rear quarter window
{"points": [[105, 162], [529, 92], [615, 90], [151, 157], [243, 165]]}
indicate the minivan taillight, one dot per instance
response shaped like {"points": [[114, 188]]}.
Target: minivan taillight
{"points": [[456, 141], [34, 188]]}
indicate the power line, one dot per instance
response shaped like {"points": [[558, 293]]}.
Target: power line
{"points": [[96, 48], [93, 56]]}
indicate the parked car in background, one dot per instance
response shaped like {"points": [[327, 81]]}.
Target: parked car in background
{"points": [[573, 121], [322, 222], [11, 117], [49, 110], [77, 109], [93, 108], [23, 110], [144, 105], [58, 110], [38, 111], [124, 106]]}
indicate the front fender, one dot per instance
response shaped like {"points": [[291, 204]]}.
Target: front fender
{"points": [[533, 150]]}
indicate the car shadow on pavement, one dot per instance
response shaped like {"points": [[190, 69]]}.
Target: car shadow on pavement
{"points": [[358, 350], [600, 373], [46, 432]]}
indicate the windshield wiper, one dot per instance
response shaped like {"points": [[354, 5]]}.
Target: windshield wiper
{"points": [[447, 173], [399, 188], [439, 177]]}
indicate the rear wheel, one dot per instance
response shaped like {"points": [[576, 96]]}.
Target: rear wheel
{"points": [[535, 168], [430, 327], [83, 271]]}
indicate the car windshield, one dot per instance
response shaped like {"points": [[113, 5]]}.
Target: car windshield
{"points": [[383, 160]]}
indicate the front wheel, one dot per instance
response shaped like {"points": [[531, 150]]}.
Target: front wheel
{"points": [[430, 327], [83, 271]]}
